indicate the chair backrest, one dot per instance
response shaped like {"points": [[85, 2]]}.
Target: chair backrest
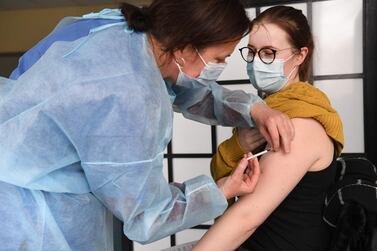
{"points": [[351, 205]]}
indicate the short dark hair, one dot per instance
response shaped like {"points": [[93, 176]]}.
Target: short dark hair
{"points": [[295, 24], [177, 24]]}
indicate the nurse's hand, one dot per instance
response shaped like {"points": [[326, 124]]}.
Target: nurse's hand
{"points": [[275, 126], [243, 179]]}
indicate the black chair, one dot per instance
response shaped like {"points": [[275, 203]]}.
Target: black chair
{"points": [[351, 206]]}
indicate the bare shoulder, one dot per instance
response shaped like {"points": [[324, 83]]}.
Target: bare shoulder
{"points": [[312, 136]]}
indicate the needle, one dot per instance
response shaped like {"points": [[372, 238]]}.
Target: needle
{"points": [[258, 154]]}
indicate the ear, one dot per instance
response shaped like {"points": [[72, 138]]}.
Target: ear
{"points": [[188, 54], [301, 55], [178, 57]]}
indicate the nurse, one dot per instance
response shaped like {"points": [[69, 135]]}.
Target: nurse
{"points": [[84, 125]]}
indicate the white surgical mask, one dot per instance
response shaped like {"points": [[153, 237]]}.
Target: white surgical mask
{"points": [[268, 78], [210, 73]]}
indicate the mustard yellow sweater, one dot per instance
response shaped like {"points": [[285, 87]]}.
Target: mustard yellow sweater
{"points": [[298, 100]]}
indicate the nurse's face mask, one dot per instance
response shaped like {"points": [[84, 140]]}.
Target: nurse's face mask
{"points": [[210, 72]]}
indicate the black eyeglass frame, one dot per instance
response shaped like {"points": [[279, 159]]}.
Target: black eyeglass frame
{"points": [[259, 55]]}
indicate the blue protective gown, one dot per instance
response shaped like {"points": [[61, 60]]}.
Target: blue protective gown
{"points": [[82, 135]]}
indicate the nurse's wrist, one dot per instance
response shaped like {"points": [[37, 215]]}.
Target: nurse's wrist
{"points": [[221, 185]]}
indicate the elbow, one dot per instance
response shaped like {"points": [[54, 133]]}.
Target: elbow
{"points": [[250, 227], [138, 231], [247, 227], [249, 222], [140, 238]]}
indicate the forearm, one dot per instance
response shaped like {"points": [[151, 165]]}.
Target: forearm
{"points": [[214, 104], [233, 230], [161, 210]]}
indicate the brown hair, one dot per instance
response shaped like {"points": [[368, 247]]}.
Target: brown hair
{"points": [[197, 23], [295, 24]]}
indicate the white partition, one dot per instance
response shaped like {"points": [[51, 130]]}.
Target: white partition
{"points": [[189, 235], [347, 98], [189, 168], [236, 68], [338, 30], [190, 136], [155, 246]]}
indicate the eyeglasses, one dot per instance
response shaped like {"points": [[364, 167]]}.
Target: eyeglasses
{"points": [[266, 55]]}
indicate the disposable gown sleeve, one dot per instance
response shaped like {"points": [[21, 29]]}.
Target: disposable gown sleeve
{"points": [[213, 104], [120, 143]]}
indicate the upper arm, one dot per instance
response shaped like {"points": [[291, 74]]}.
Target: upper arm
{"points": [[281, 172]]}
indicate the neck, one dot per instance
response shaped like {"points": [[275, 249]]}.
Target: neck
{"points": [[165, 61], [292, 79]]}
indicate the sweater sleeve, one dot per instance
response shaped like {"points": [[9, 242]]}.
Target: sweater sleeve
{"points": [[227, 157]]}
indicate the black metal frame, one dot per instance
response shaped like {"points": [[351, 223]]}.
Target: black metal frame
{"points": [[370, 78]]}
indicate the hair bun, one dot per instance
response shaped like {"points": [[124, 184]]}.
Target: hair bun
{"points": [[137, 18]]}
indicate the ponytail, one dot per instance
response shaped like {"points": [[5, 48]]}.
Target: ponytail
{"points": [[137, 18]]}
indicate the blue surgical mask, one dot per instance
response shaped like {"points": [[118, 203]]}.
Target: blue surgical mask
{"points": [[210, 73], [268, 78]]}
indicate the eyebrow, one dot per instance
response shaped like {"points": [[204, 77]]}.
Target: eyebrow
{"points": [[222, 58], [267, 46]]}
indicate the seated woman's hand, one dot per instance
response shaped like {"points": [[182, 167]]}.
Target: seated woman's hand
{"points": [[250, 138], [243, 179]]}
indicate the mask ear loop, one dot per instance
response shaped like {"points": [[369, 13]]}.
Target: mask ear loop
{"points": [[201, 58], [289, 75], [180, 65]]}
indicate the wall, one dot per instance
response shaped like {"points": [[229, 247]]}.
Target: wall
{"points": [[22, 28]]}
